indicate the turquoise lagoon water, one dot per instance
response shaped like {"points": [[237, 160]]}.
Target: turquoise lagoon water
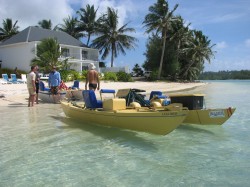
{"points": [[40, 147]]}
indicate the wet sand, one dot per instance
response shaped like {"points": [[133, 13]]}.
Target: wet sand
{"points": [[18, 93]]}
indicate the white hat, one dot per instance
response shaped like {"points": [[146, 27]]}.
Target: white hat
{"points": [[91, 66]]}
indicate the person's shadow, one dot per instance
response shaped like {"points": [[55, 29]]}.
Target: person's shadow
{"points": [[120, 136]]}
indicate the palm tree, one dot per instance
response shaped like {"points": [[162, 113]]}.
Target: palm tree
{"points": [[71, 26], [111, 38], [8, 29], [88, 20], [47, 54], [198, 50], [159, 19], [46, 24]]}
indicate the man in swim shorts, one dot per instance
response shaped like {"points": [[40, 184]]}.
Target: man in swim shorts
{"points": [[31, 77], [92, 78], [54, 82]]}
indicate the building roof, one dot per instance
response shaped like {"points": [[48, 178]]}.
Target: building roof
{"points": [[32, 33]]}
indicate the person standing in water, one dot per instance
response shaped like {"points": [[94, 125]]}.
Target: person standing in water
{"points": [[54, 82], [92, 78], [37, 83], [31, 78]]}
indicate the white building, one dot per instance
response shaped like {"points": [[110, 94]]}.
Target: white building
{"points": [[19, 50]]}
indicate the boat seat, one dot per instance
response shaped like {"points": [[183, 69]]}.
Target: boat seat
{"points": [[158, 94], [75, 85], [42, 87], [90, 100], [107, 91], [102, 91]]}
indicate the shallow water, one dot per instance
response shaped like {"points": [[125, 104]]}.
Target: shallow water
{"points": [[41, 147]]}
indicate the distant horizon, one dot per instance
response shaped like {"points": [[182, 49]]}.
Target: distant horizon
{"points": [[225, 22]]}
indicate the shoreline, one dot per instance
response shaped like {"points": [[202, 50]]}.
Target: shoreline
{"points": [[11, 94]]}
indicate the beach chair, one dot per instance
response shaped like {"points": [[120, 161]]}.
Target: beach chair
{"points": [[2, 81], [6, 79], [90, 100], [24, 78], [75, 85], [14, 79], [42, 86]]}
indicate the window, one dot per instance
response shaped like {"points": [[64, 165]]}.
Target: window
{"points": [[84, 68], [84, 55], [65, 52]]}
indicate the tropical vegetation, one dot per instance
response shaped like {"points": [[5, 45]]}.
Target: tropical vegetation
{"points": [[87, 20], [225, 75], [48, 54], [112, 39], [137, 70], [183, 52], [160, 20], [72, 27], [181, 55], [46, 24], [8, 29]]}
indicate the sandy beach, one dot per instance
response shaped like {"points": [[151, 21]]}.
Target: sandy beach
{"points": [[18, 93]]}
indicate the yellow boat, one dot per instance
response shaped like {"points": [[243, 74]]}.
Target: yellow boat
{"points": [[198, 114], [114, 113]]}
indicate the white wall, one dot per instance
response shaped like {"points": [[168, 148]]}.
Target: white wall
{"points": [[115, 69], [18, 55]]}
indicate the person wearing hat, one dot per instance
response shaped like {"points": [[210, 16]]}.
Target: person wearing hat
{"points": [[54, 82], [92, 78]]}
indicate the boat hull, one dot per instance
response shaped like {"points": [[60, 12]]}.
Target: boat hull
{"points": [[155, 122], [198, 114], [47, 97], [209, 116]]}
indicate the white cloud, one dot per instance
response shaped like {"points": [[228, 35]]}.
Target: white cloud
{"points": [[124, 8], [221, 45], [29, 13], [247, 42], [227, 17]]}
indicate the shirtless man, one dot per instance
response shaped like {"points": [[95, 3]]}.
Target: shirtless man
{"points": [[92, 78]]}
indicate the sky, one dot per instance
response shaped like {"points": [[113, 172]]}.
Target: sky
{"points": [[225, 22]]}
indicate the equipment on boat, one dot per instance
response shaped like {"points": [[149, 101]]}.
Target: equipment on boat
{"points": [[198, 114], [115, 112]]}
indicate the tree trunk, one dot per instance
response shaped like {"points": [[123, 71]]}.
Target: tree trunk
{"points": [[88, 39], [162, 54], [112, 55]]}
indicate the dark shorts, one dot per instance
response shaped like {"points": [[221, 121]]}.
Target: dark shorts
{"points": [[37, 88], [54, 90], [94, 86]]}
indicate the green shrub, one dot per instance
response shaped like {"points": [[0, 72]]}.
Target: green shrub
{"points": [[64, 75], [84, 74], [75, 75], [111, 76], [153, 76], [70, 75], [123, 77]]}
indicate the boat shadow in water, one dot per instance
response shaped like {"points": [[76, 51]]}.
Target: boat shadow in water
{"points": [[194, 129], [120, 136]]}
